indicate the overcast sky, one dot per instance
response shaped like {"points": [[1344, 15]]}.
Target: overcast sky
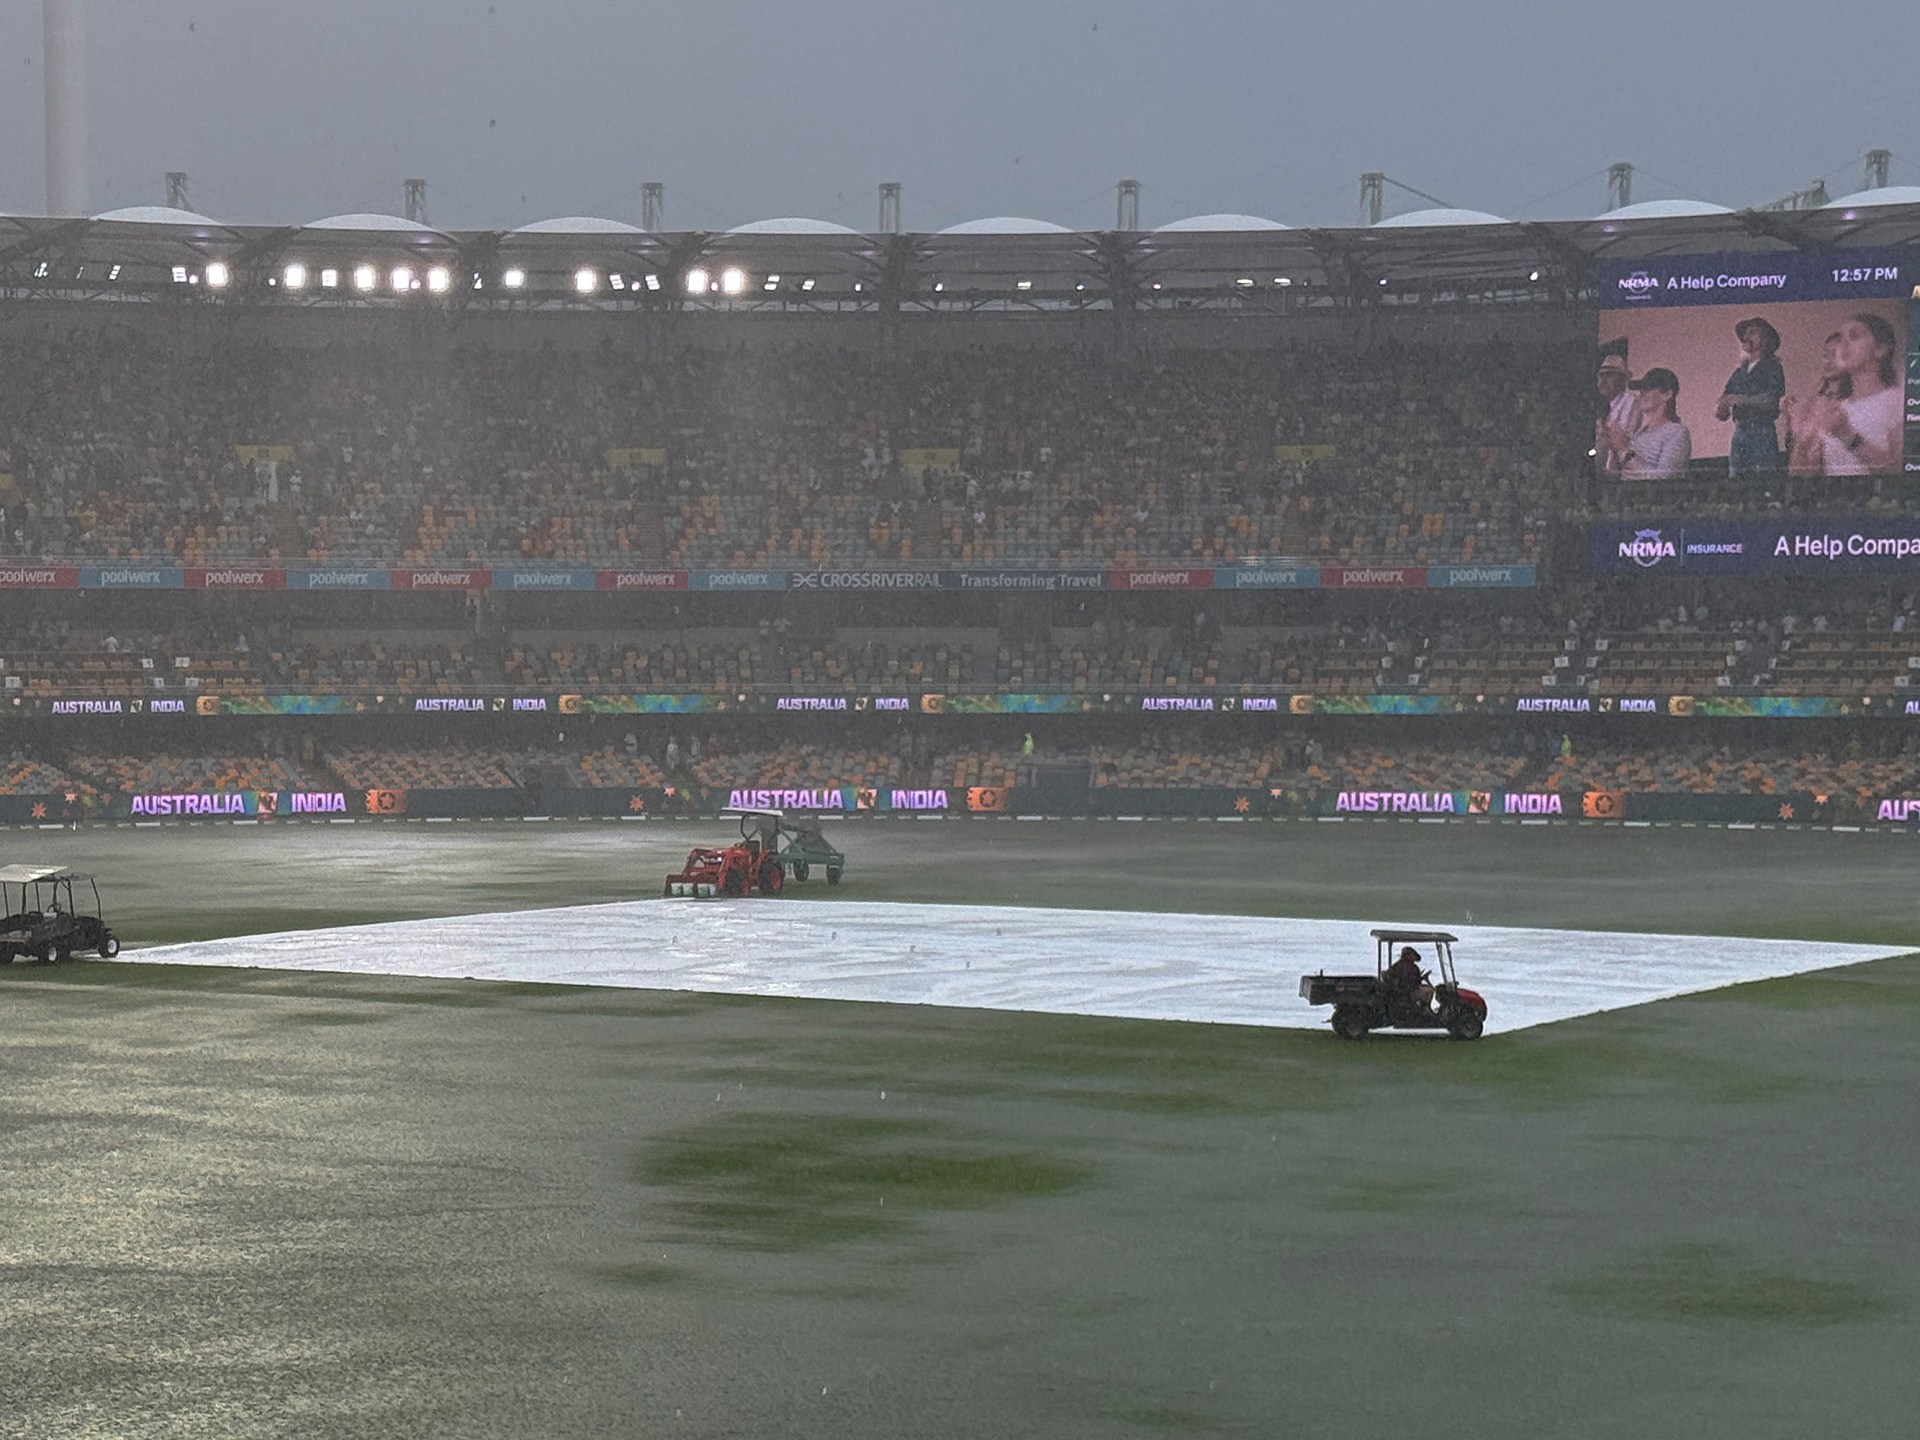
{"points": [[517, 110]]}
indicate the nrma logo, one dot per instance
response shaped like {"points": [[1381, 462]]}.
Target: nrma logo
{"points": [[1638, 284], [1646, 549]]}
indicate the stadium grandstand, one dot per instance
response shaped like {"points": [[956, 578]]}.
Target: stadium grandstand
{"points": [[1227, 517]]}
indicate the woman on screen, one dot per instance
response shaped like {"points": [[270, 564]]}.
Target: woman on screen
{"points": [[1805, 454], [1860, 434], [1752, 400], [1662, 448]]}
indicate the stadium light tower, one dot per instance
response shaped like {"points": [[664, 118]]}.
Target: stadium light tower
{"points": [[1878, 166], [1619, 185], [653, 205], [416, 192], [889, 207], [1127, 206], [1373, 187], [64, 71], [177, 190]]}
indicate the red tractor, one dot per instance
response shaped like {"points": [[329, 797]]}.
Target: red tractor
{"points": [[732, 870]]}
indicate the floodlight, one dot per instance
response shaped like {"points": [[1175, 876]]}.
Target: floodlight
{"points": [[113, 272], [179, 274], [1383, 279], [295, 276], [329, 278], [514, 278], [938, 286], [439, 279], [365, 277], [1533, 275], [478, 283], [1023, 284], [1244, 280], [733, 280], [696, 281], [772, 282], [858, 287], [1156, 284], [1282, 281], [1080, 285], [401, 279], [807, 284], [653, 282], [218, 274], [40, 270], [585, 280], [617, 280]]}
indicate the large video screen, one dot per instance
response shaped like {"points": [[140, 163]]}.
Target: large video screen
{"points": [[1757, 366]]}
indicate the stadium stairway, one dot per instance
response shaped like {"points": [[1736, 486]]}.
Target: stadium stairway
{"points": [[649, 534], [289, 536]]}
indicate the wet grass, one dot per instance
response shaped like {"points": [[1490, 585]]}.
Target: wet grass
{"points": [[799, 1181], [1700, 1283], [1880, 986], [641, 1276]]}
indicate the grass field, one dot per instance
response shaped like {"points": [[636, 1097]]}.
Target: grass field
{"points": [[264, 1203]]}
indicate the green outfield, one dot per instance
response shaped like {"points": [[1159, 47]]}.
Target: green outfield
{"points": [[273, 1203]]}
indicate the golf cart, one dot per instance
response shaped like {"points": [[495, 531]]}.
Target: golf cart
{"points": [[43, 923], [1401, 993]]}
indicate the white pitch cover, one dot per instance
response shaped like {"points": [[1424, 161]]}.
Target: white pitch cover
{"points": [[1216, 968]]}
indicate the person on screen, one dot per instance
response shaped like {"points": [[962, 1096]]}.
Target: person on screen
{"points": [[1662, 448], [1618, 418], [1860, 433], [1805, 454], [1752, 400]]}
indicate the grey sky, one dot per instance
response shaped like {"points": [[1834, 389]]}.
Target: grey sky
{"points": [[515, 110]]}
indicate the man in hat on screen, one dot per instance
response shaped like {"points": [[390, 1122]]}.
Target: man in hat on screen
{"points": [[1752, 400], [1617, 415]]}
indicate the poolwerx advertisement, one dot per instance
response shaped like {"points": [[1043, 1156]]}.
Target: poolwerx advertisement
{"points": [[1810, 546]]}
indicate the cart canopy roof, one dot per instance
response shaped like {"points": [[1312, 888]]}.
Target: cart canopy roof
{"points": [[742, 810], [32, 874], [1413, 937]]}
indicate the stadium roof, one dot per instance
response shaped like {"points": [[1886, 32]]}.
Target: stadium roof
{"points": [[1425, 257], [1006, 225], [156, 215], [1434, 219], [1886, 195], [1218, 224], [1666, 210], [578, 225], [368, 223], [792, 225]]}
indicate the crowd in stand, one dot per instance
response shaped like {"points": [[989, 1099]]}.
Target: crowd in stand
{"points": [[1590, 644], [1853, 763], [123, 447]]}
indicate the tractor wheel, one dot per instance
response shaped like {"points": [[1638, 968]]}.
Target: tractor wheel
{"points": [[772, 877], [666, 891], [109, 945], [735, 884], [1467, 1025], [1350, 1022], [833, 874], [801, 870]]}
